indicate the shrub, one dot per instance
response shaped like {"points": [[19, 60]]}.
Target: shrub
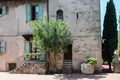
{"points": [[91, 60]]}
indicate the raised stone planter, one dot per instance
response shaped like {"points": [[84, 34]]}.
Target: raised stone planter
{"points": [[87, 68], [31, 67], [117, 67]]}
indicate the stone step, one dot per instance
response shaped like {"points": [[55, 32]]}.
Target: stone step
{"points": [[67, 62], [67, 72], [67, 67]]}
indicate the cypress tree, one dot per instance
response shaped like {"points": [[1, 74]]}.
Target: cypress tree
{"points": [[109, 33], [119, 41]]}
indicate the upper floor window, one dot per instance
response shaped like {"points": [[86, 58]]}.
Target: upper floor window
{"points": [[34, 12], [59, 15]]}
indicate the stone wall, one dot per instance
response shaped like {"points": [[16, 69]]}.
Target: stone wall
{"points": [[14, 52], [31, 68], [83, 18]]}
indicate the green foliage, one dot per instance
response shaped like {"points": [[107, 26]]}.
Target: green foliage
{"points": [[109, 32], [27, 56], [91, 60], [119, 41], [50, 36]]}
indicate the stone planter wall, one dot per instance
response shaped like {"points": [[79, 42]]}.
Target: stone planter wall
{"points": [[31, 68], [87, 68], [117, 67]]}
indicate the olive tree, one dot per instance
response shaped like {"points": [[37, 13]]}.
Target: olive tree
{"points": [[51, 37]]}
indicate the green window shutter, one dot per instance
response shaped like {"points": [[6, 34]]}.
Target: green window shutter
{"points": [[28, 12], [27, 47], [3, 46], [4, 10], [40, 13], [43, 57]]}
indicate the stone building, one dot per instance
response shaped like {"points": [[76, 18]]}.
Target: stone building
{"points": [[82, 16]]}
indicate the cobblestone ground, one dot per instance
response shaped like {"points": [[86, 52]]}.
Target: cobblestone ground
{"points": [[103, 76]]}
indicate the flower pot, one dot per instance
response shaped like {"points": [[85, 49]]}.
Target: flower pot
{"points": [[87, 68]]}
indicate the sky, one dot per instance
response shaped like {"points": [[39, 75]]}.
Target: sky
{"points": [[103, 10]]}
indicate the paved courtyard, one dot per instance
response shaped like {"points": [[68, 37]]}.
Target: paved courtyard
{"points": [[103, 76]]}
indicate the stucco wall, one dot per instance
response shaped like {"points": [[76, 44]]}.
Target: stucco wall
{"points": [[14, 51], [85, 29], [14, 23], [12, 26]]}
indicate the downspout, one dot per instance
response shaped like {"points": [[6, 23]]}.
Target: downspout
{"points": [[48, 10]]}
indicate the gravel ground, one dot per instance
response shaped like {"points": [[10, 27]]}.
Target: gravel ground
{"points": [[102, 76]]}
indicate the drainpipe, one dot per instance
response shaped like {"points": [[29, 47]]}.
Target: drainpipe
{"points": [[48, 10]]}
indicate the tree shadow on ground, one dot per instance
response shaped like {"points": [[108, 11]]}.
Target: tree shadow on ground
{"points": [[79, 76]]}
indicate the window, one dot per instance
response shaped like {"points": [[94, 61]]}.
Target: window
{"points": [[0, 10], [2, 46], [34, 12], [29, 47], [59, 15], [11, 66], [30, 50], [3, 10]]}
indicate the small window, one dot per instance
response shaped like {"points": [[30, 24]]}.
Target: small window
{"points": [[34, 10], [11, 66], [59, 15]]}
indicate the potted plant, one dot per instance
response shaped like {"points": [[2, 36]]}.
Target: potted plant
{"points": [[27, 56], [38, 55], [88, 67]]}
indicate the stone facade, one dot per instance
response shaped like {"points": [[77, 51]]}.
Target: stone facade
{"points": [[12, 26], [82, 16]]}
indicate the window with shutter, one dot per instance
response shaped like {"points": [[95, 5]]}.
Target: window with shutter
{"points": [[27, 47], [34, 12], [40, 15], [43, 57], [30, 50], [2, 47], [28, 12], [3, 10]]}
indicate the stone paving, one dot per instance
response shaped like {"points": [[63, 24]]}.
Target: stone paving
{"points": [[102, 76]]}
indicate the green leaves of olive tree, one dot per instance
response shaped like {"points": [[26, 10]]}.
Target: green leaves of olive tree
{"points": [[50, 35]]}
